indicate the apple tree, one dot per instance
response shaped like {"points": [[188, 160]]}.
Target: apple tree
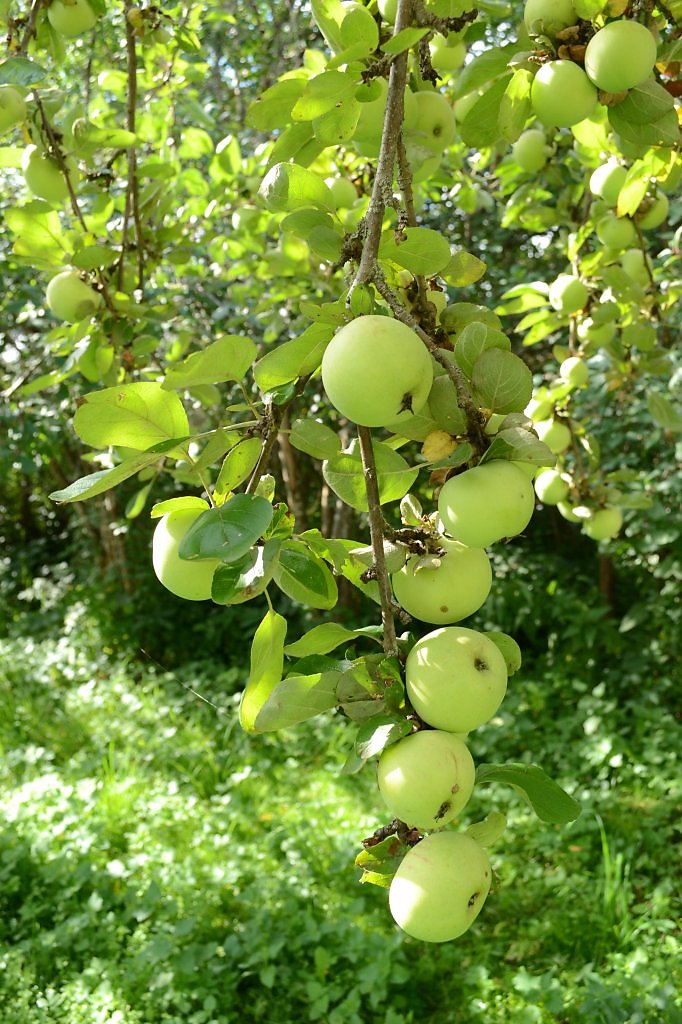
{"points": [[332, 276]]}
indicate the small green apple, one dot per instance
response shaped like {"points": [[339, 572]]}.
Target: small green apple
{"points": [[547, 17], [555, 434], [71, 19], [615, 232], [388, 10], [597, 334], [568, 294], [607, 181], [530, 150], [435, 122], [446, 589], [12, 108], [455, 678], [447, 54], [440, 887], [620, 55], [43, 175], [605, 524], [634, 264], [551, 487], [566, 510], [70, 298], [574, 371], [653, 211], [562, 94], [190, 580], [367, 134], [376, 370], [482, 505], [427, 778]]}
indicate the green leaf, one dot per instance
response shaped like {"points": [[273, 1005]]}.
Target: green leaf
{"points": [[501, 381], [302, 222], [273, 108], [314, 438], [161, 508], [550, 802], [338, 124], [227, 532], [289, 187], [304, 577], [328, 16], [345, 475], [645, 103], [475, 339], [322, 93], [238, 464], [21, 71], [663, 412], [663, 132], [294, 358], [267, 663], [296, 699], [246, 578], [519, 445], [228, 358], [463, 269], [489, 830], [96, 483], [325, 638], [484, 68], [379, 861], [480, 127], [404, 40], [92, 256], [338, 551], [380, 732], [138, 415], [515, 105], [360, 31], [38, 234], [422, 251]]}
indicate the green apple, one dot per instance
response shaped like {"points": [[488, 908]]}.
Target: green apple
{"points": [[597, 334], [486, 503], [620, 56], [190, 580], [388, 10], [440, 887], [551, 487], [607, 181], [539, 409], [562, 94], [446, 589], [605, 524], [427, 778], [367, 134], [43, 175], [634, 264], [435, 123], [343, 191], [447, 54], [455, 678], [566, 510], [547, 17], [70, 298], [12, 107], [653, 211], [568, 294], [640, 334], [376, 370], [555, 434], [530, 150], [574, 371], [71, 19], [616, 232]]}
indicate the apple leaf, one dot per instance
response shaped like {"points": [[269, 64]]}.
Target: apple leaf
{"points": [[379, 861], [339, 123], [475, 339], [489, 830], [345, 475], [484, 68], [645, 103], [422, 251], [227, 532], [238, 464], [267, 663], [665, 131], [326, 637], [296, 699], [38, 234], [328, 16], [519, 445], [294, 358], [139, 415], [463, 269], [228, 358], [515, 105], [322, 93], [103, 480], [404, 40], [246, 578], [663, 412], [304, 577], [314, 438], [479, 128], [380, 732], [302, 222], [550, 802], [161, 508], [337, 551], [501, 381], [21, 71], [289, 187], [273, 108], [360, 30]]}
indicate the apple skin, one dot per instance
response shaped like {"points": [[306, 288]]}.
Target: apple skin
{"points": [[605, 524], [568, 294], [427, 778], [562, 94], [486, 503], [454, 590], [44, 177], [598, 334], [574, 370], [633, 263], [656, 212], [620, 56], [440, 887], [616, 232], [376, 370], [555, 434], [189, 580], [72, 19], [71, 299], [607, 181], [547, 17], [550, 487], [447, 54], [455, 678], [435, 123], [530, 150], [12, 107]]}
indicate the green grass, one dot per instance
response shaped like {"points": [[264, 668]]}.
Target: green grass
{"points": [[159, 867]]}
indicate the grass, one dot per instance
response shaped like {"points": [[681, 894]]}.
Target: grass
{"points": [[157, 866]]}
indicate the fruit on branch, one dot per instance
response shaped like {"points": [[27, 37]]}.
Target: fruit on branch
{"points": [[607, 181], [634, 264], [12, 107], [568, 294], [597, 334], [376, 370], [367, 134], [605, 524], [486, 503], [530, 150], [435, 122], [615, 232], [70, 298], [427, 778], [343, 192], [190, 580], [620, 56], [551, 487], [388, 10], [44, 177], [653, 211], [447, 588], [547, 17], [455, 678], [555, 434], [447, 54], [574, 371], [71, 19], [562, 94], [440, 887]]}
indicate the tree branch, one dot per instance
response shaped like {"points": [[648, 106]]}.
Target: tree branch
{"points": [[376, 530]]}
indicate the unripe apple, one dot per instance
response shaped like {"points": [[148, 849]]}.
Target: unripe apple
{"points": [[388, 10], [562, 94], [440, 887], [71, 299], [43, 175], [455, 678], [12, 107], [555, 434], [445, 592], [567, 511], [190, 580], [598, 334], [547, 17], [485, 504], [71, 19], [343, 192], [447, 54], [607, 181], [376, 370], [550, 487], [435, 123], [605, 524], [530, 150], [634, 264], [640, 334], [615, 232], [568, 294], [574, 370], [539, 409], [653, 212], [620, 55], [367, 134], [427, 778]]}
